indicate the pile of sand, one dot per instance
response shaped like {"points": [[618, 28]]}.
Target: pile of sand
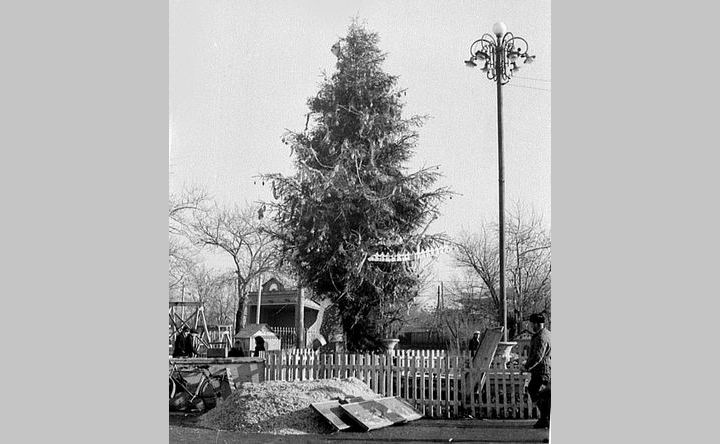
{"points": [[282, 407]]}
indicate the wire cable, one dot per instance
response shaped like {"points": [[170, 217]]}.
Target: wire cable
{"points": [[531, 78], [528, 87]]}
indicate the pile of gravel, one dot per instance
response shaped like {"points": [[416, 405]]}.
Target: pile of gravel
{"points": [[282, 407]]}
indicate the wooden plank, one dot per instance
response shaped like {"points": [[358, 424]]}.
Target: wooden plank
{"points": [[437, 378], [373, 371], [367, 370], [382, 375], [431, 387], [513, 397], [398, 377], [331, 411], [406, 367], [504, 375], [441, 378], [296, 367], [448, 405], [301, 366], [312, 368], [423, 397], [496, 403], [487, 348], [369, 415], [398, 410], [488, 397]]}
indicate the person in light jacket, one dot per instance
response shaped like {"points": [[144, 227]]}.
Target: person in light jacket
{"points": [[538, 364]]}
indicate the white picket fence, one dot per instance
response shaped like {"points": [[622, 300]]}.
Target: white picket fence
{"points": [[438, 384]]}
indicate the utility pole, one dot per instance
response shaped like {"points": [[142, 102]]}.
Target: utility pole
{"points": [[501, 54]]}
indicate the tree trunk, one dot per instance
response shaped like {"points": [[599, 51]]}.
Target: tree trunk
{"points": [[300, 319], [238, 320], [241, 314]]}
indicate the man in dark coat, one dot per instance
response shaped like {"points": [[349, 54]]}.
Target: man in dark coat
{"points": [[237, 351], [190, 348], [474, 344], [538, 364], [259, 345], [180, 340]]}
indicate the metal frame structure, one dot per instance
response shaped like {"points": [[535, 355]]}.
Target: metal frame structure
{"points": [[178, 320]]}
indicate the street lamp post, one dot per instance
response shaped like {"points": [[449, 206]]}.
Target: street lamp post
{"points": [[501, 55]]}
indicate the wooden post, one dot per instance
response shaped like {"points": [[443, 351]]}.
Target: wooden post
{"points": [[300, 318], [259, 300]]}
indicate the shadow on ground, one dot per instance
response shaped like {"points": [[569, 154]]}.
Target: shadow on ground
{"points": [[184, 429]]}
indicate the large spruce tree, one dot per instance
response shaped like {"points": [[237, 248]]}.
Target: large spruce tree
{"points": [[352, 196]]}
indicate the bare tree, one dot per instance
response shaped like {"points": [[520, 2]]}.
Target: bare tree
{"points": [[528, 261], [242, 235], [216, 291], [530, 269], [180, 205], [180, 209]]}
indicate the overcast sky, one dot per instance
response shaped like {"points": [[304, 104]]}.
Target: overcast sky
{"points": [[241, 72]]}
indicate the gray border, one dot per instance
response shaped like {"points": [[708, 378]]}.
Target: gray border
{"points": [[85, 185], [632, 185], [84, 174]]}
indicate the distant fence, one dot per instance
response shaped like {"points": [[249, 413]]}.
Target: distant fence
{"points": [[439, 385], [220, 336], [287, 335]]}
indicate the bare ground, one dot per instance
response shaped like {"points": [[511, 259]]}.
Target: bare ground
{"points": [[186, 429]]}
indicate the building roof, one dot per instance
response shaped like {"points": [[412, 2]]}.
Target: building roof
{"points": [[251, 330], [273, 284], [275, 293], [282, 298]]}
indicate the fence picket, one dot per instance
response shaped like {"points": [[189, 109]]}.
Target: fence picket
{"points": [[496, 399], [381, 375], [512, 391], [398, 376], [431, 386], [373, 373], [422, 386], [456, 402]]}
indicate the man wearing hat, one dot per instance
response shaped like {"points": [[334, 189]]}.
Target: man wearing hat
{"points": [[538, 364]]}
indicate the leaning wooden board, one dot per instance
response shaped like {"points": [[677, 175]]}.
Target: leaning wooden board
{"points": [[400, 407], [486, 350], [382, 412], [331, 411], [368, 415]]}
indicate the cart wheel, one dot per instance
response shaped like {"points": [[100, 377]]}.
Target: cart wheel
{"points": [[206, 392], [173, 388]]}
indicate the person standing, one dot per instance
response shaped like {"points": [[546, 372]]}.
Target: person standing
{"points": [[474, 344], [538, 364], [236, 351], [259, 345], [190, 347], [180, 340]]}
